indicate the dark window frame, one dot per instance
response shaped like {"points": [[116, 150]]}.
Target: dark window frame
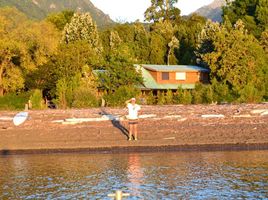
{"points": [[165, 76]]}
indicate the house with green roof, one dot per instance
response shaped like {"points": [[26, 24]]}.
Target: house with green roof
{"points": [[171, 77]]}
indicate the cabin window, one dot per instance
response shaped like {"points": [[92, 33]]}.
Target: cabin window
{"points": [[203, 77], [165, 75], [180, 76]]}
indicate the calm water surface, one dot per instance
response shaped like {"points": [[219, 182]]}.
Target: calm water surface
{"points": [[179, 175]]}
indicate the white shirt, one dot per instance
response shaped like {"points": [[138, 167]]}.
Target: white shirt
{"points": [[133, 110]]}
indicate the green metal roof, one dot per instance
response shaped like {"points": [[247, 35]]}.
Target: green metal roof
{"points": [[150, 83], [173, 68]]}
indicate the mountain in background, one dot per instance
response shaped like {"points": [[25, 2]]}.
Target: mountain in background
{"points": [[39, 9], [212, 11]]}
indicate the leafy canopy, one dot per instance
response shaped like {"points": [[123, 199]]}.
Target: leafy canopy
{"points": [[161, 10], [254, 14], [23, 48], [231, 56]]}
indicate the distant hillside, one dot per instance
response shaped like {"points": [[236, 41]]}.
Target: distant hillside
{"points": [[212, 11], [39, 9]]}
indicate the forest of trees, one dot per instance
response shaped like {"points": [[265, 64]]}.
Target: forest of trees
{"points": [[55, 58]]}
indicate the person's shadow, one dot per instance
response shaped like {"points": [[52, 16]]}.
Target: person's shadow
{"points": [[116, 123]]}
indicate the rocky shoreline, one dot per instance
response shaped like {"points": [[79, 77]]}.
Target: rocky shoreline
{"points": [[142, 149], [161, 128]]}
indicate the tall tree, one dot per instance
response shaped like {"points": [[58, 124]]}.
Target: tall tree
{"points": [[235, 57], [141, 43], [122, 49], [187, 32], [262, 13], [252, 12], [82, 27], [133, 38], [264, 40], [23, 48], [71, 58], [174, 43], [11, 77], [161, 36], [60, 19], [162, 10]]}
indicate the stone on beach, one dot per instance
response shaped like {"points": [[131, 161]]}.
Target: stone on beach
{"points": [[264, 113], [6, 118], [259, 111], [182, 119], [213, 116], [147, 116], [81, 120], [169, 138], [242, 116], [172, 116]]}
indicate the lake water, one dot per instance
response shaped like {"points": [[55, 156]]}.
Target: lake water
{"points": [[168, 175]]}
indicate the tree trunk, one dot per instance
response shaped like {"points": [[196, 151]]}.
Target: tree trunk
{"points": [[169, 52], [1, 91], [167, 10], [1, 81]]}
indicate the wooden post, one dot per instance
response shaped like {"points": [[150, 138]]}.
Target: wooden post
{"points": [[118, 195], [102, 102], [26, 108], [30, 106]]}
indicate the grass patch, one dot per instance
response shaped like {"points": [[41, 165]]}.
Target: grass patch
{"points": [[14, 101]]}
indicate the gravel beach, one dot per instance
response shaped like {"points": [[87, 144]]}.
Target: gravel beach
{"points": [[173, 127]]}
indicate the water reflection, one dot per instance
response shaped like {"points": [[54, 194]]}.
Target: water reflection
{"points": [[135, 175], [191, 175]]}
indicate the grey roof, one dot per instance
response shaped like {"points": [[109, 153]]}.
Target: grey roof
{"points": [[174, 68]]}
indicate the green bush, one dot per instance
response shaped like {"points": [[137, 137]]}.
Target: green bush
{"points": [[187, 97], [169, 97], [161, 100], [85, 98], [37, 100], [208, 94], [150, 98], [221, 92], [14, 101], [183, 96], [203, 94], [250, 94], [61, 93], [177, 97], [198, 94], [119, 96], [215, 92], [65, 91]]}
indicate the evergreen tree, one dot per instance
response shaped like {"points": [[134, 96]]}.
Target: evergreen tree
{"points": [[174, 43], [60, 19], [264, 40], [262, 14], [119, 74], [235, 57], [254, 14], [82, 27], [163, 43], [187, 31], [141, 45], [162, 10]]}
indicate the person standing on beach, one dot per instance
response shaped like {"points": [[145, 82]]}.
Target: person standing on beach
{"points": [[133, 110]]}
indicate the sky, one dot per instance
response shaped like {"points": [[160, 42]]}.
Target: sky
{"points": [[131, 10]]}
